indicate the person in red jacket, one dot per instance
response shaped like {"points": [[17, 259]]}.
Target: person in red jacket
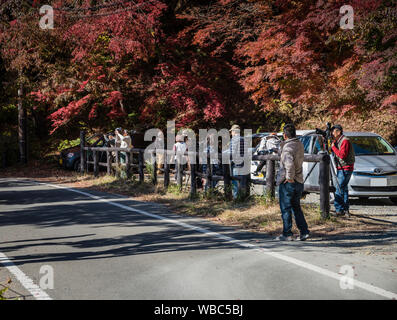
{"points": [[344, 158]]}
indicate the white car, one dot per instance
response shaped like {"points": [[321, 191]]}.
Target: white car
{"points": [[375, 168]]}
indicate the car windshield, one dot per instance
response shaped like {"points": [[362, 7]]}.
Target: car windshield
{"points": [[306, 142], [373, 145]]}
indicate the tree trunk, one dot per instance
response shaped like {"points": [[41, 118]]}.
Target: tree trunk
{"points": [[22, 128]]}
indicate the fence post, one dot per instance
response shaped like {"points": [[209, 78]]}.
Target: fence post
{"points": [[244, 186], [108, 162], [140, 162], [192, 181], [118, 169], [166, 172], [95, 157], [82, 152], [154, 172], [324, 178], [270, 173], [128, 162], [227, 181], [209, 171]]}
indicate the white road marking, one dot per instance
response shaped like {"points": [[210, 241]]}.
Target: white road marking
{"points": [[305, 265], [28, 283]]}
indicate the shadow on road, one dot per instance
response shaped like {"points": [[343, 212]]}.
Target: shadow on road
{"points": [[92, 222]]}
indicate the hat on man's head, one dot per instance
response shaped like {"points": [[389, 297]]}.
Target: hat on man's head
{"points": [[337, 126], [179, 138], [235, 127]]}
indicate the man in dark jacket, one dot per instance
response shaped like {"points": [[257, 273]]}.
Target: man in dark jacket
{"points": [[344, 158]]}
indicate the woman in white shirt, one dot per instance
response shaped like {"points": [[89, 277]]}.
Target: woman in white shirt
{"points": [[125, 142]]}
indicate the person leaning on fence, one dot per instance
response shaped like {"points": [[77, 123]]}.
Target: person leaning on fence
{"points": [[109, 140], [290, 182], [344, 158], [125, 142], [238, 151], [213, 164], [117, 141], [268, 145], [179, 149]]}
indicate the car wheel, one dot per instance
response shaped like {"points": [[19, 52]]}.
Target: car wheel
{"points": [[77, 165], [393, 199]]}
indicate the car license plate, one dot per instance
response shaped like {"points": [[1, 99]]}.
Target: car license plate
{"points": [[379, 182]]}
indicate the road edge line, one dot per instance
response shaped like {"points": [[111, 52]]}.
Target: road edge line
{"points": [[25, 281]]}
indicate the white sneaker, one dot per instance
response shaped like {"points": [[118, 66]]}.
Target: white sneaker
{"points": [[284, 238], [303, 237]]}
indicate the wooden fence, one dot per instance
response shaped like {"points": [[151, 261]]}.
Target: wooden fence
{"points": [[134, 159]]}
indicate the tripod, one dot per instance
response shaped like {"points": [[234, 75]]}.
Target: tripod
{"points": [[324, 143]]}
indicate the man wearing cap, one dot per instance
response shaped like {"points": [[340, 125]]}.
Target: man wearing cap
{"points": [[344, 158]]}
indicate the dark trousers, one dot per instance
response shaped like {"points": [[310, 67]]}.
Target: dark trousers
{"points": [[213, 169], [289, 198]]}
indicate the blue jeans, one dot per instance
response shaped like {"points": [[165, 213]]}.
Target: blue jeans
{"points": [[123, 156], [341, 201], [289, 198], [235, 184], [239, 185], [123, 159]]}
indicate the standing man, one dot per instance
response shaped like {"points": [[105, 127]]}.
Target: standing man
{"points": [[344, 158], [290, 182]]}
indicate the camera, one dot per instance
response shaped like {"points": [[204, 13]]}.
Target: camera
{"points": [[322, 132], [327, 133], [269, 151]]}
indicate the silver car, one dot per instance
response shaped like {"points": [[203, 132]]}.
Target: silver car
{"points": [[375, 169]]}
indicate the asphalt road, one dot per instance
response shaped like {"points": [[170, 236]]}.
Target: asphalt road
{"points": [[102, 246]]}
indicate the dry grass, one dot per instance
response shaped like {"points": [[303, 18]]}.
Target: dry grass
{"points": [[258, 214]]}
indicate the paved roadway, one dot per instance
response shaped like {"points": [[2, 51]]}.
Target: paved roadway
{"points": [[102, 246]]}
